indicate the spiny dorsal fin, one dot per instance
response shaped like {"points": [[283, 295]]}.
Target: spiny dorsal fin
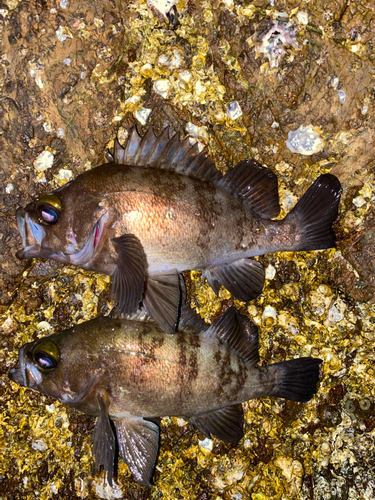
{"points": [[238, 333], [169, 154], [256, 184]]}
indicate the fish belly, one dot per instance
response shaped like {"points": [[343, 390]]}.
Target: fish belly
{"points": [[178, 375], [182, 234]]}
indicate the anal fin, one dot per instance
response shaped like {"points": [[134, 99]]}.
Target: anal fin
{"points": [[243, 278], [104, 441], [225, 423], [165, 293], [138, 441]]}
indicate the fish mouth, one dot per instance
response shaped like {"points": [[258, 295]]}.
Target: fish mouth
{"points": [[32, 235], [26, 376], [18, 375]]}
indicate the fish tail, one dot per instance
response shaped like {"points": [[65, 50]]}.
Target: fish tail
{"points": [[295, 379], [314, 214]]}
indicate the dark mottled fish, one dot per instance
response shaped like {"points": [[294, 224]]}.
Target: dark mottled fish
{"points": [[162, 207], [131, 372]]}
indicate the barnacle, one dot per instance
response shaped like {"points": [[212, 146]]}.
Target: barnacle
{"points": [[272, 38], [305, 140]]}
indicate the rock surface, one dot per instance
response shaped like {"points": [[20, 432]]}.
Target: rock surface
{"points": [[72, 76]]}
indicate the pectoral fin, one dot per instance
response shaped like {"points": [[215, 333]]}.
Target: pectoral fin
{"points": [[165, 292], [104, 441], [226, 423], [138, 441], [129, 276], [243, 278]]}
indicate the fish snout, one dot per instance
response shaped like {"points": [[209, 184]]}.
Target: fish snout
{"points": [[15, 374], [32, 234], [18, 373], [20, 254], [21, 224]]}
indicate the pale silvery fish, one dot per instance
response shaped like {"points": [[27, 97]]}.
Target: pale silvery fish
{"points": [[131, 372], [160, 208]]}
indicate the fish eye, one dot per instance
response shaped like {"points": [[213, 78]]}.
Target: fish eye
{"points": [[46, 355], [48, 208]]}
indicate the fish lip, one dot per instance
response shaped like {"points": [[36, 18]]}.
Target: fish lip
{"points": [[28, 252], [29, 230], [21, 224], [18, 375]]}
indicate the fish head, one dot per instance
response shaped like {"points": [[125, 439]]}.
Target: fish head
{"points": [[54, 367], [66, 225]]}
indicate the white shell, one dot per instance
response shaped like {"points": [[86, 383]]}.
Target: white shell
{"points": [[44, 325], [270, 272], [359, 201], [207, 444], [162, 87], [269, 312], [303, 17], [234, 110], [39, 445], [163, 6], [44, 161], [335, 314], [305, 141], [341, 94], [63, 33], [142, 115], [197, 132], [280, 34]]}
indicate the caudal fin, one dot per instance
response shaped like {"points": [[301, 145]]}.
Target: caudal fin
{"points": [[296, 379], [314, 214]]}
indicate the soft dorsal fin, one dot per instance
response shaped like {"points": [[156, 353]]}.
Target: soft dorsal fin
{"points": [[256, 184], [162, 152], [238, 333], [190, 320]]}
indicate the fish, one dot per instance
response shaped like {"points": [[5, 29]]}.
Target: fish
{"points": [[128, 371], [161, 207]]}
